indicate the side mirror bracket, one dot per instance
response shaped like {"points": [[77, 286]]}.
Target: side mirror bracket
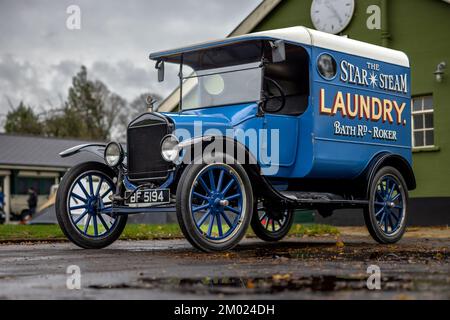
{"points": [[278, 51], [160, 67]]}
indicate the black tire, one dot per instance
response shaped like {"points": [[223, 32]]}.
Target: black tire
{"points": [[386, 233], [185, 219], [284, 218], [64, 218]]}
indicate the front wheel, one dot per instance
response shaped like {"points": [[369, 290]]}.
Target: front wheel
{"points": [[214, 205], [385, 216], [84, 192]]}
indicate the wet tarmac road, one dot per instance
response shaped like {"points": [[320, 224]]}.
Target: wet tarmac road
{"points": [[306, 268]]}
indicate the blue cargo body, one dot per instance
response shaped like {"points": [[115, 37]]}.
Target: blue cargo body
{"points": [[361, 112]]}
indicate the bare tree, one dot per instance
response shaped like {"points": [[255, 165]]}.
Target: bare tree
{"points": [[132, 110]]}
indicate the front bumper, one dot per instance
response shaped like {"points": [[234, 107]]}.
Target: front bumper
{"points": [[125, 210]]}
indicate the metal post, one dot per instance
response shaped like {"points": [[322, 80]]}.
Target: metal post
{"points": [[385, 35], [181, 82], [7, 193]]}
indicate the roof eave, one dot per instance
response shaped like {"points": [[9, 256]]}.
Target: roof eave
{"points": [[247, 25]]}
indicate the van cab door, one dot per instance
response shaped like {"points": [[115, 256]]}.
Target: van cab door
{"points": [[282, 139]]}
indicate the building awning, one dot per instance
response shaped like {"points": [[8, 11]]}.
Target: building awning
{"points": [[35, 151]]}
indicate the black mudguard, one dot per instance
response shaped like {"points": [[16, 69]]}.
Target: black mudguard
{"points": [[97, 149]]}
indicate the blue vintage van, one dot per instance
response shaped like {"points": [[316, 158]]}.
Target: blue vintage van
{"points": [[268, 123]]}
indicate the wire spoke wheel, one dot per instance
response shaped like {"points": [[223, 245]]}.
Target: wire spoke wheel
{"points": [[217, 202], [271, 224], [385, 215], [388, 205], [89, 195], [81, 201]]}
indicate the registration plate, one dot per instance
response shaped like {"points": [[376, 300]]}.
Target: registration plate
{"points": [[147, 197]]}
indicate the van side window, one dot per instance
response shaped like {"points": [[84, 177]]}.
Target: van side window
{"points": [[292, 75]]}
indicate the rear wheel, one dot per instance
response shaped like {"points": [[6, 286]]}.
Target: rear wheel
{"points": [[386, 214], [214, 204], [84, 191], [271, 224]]}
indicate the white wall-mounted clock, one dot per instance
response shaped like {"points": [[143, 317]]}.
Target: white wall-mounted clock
{"points": [[332, 16]]}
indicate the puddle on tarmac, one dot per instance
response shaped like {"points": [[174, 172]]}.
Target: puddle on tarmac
{"points": [[352, 253], [261, 285]]}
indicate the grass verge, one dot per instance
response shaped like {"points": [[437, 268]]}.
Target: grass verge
{"points": [[138, 232]]}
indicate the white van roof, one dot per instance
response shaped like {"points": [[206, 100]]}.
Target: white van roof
{"points": [[303, 35]]}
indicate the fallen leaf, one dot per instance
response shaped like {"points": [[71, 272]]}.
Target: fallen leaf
{"points": [[340, 244], [278, 277]]}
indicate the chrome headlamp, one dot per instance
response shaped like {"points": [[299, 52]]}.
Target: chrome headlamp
{"points": [[170, 149], [113, 154]]}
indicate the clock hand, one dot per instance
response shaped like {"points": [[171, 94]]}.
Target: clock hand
{"points": [[333, 9]]}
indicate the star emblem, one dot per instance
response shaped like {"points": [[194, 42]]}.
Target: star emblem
{"points": [[373, 79]]}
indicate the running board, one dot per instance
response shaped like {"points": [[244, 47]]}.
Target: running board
{"points": [[318, 198], [125, 210]]}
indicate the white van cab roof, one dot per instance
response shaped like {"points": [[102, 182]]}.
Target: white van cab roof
{"points": [[303, 35]]}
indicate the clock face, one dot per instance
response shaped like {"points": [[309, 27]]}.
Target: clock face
{"points": [[332, 16]]}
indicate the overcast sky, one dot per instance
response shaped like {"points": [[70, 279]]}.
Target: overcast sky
{"points": [[39, 54]]}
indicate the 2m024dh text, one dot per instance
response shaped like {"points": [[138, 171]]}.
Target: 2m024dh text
{"points": [[238, 309]]}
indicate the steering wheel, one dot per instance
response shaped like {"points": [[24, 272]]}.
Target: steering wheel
{"points": [[268, 95]]}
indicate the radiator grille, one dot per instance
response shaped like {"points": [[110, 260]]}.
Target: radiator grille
{"points": [[144, 148]]}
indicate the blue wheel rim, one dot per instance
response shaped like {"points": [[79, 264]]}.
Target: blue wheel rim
{"points": [[217, 202], [88, 195], [389, 206]]}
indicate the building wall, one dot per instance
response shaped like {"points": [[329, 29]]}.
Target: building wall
{"points": [[19, 202], [16, 193], [424, 34], [421, 28]]}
